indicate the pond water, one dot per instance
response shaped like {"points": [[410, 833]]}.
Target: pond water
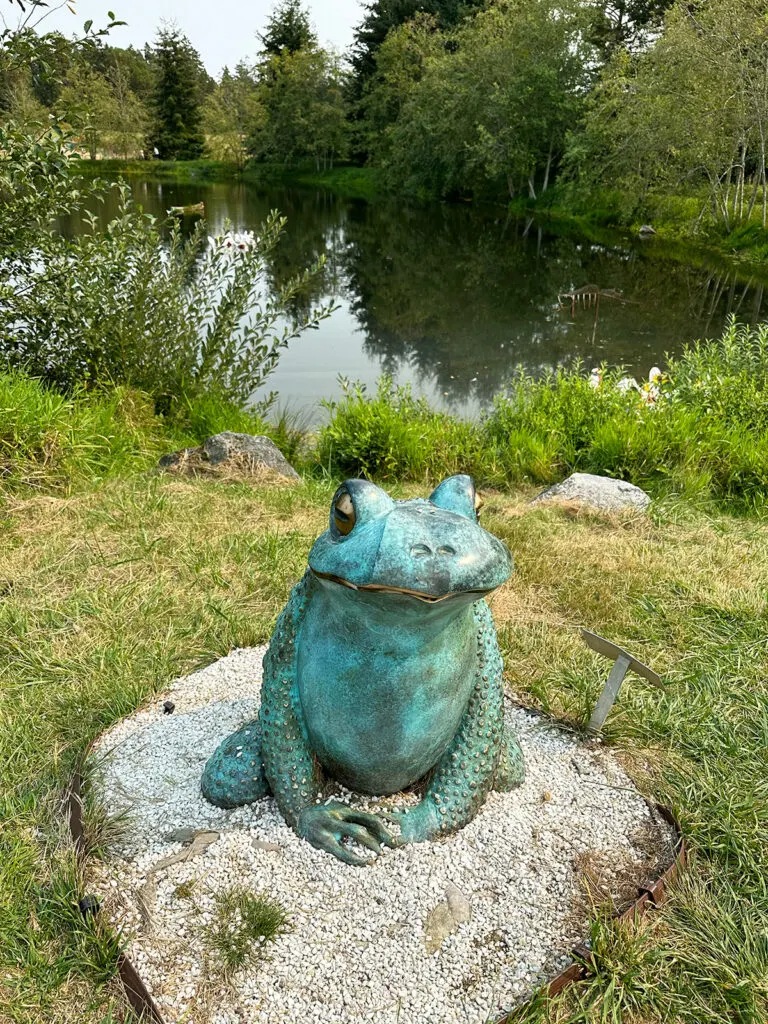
{"points": [[453, 298]]}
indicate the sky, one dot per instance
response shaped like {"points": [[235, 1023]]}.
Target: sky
{"points": [[222, 31]]}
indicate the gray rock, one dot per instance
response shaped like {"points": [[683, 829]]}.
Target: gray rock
{"points": [[646, 231], [445, 919], [181, 835], [253, 452], [601, 492], [259, 844], [259, 450], [459, 904], [177, 459]]}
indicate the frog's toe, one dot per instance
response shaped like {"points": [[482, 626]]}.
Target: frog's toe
{"points": [[510, 771], [234, 774]]}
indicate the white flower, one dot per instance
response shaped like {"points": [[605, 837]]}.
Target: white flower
{"points": [[234, 242]]}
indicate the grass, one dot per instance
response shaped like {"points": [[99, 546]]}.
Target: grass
{"points": [[242, 925], [348, 180], [181, 171], [707, 436], [113, 590], [599, 214], [57, 442]]}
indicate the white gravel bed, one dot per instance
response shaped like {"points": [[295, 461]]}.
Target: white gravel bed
{"points": [[355, 951]]}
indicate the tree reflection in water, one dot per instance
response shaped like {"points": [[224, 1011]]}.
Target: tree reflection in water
{"points": [[456, 297]]}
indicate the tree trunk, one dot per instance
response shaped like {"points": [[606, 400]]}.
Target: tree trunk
{"points": [[753, 199], [510, 187], [727, 193], [531, 187], [738, 197], [545, 186]]}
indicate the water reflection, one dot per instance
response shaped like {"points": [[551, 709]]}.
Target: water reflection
{"points": [[454, 298]]}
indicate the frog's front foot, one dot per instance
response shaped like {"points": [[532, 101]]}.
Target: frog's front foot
{"points": [[326, 825]]}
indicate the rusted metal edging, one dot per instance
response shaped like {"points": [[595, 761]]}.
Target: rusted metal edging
{"points": [[136, 992], [647, 897]]}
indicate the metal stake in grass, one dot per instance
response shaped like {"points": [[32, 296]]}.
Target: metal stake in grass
{"points": [[623, 661]]}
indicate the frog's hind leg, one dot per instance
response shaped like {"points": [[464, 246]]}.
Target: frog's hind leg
{"points": [[510, 771], [234, 774]]}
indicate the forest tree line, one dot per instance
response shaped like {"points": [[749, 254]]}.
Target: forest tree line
{"points": [[640, 100]]}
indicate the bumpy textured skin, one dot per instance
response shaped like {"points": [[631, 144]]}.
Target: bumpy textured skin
{"points": [[483, 756], [294, 775], [235, 774]]}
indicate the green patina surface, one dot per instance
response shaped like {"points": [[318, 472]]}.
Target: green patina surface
{"points": [[383, 672]]}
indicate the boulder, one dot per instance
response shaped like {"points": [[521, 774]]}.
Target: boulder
{"points": [[238, 451], [600, 492]]}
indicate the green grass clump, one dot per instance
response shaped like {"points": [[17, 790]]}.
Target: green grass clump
{"points": [[706, 438], [392, 435], [62, 442], [241, 927]]}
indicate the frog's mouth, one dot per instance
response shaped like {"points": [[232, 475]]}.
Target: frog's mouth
{"points": [[380, 588]]}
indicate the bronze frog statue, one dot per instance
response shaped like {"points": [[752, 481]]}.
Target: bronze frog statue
{"points": [[383, 673]]}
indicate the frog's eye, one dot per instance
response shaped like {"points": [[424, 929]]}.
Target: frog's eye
{"points": [[344, 514], [355, 504]]}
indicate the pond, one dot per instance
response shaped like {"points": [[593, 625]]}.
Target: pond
{"points": [[453, 298]]}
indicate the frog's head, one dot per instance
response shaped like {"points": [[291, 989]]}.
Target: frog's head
{"points": [[429, 550]]}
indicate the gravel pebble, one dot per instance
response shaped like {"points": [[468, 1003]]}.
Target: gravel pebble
{"points": [[355, 951]]}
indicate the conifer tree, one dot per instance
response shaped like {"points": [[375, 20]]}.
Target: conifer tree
{"points": [[383, 15], [288, 28], [176, 132]]}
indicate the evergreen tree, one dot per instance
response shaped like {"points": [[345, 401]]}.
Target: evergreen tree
{"points": [[383, 15], [626, 23], [176, 132], [288, 28]]}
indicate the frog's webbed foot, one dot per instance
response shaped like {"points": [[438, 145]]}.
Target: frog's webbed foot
{"points": [[234, 774], [326, 825], [510, 771]]}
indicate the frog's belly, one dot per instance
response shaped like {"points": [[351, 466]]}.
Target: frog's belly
{"points": [[381, 714]]}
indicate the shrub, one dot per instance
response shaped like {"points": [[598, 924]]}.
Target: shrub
{"points": [[395, 436], [174, 321], [706, 436], [539, 428]]}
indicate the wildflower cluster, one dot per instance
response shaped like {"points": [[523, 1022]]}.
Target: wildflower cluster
{"points": [[651, 392], [234, 242]]}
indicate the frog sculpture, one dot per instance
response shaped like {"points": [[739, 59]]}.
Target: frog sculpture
{"points": [[383, 673]]}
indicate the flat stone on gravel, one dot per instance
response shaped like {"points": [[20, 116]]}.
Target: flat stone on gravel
{"points": [[601, 492], [512, 881]]}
